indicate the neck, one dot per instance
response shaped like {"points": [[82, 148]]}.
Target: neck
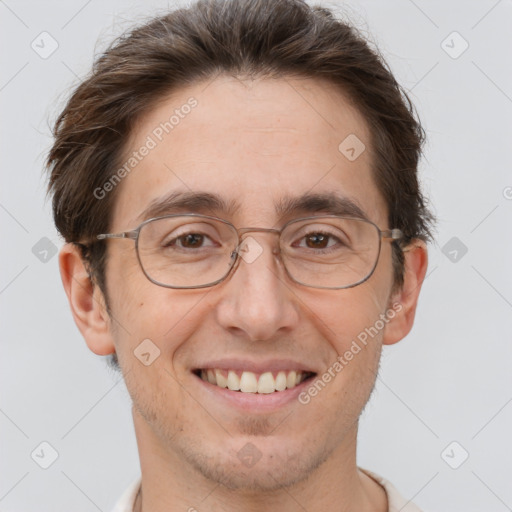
{"points": [[170, 483]]}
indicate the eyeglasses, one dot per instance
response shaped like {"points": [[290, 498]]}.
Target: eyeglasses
{"points": [[196, 251]]}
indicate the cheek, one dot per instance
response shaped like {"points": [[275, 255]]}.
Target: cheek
{"points": [[344, 314], [144, 311], [351, 322], [352, 327], [136, 303]]}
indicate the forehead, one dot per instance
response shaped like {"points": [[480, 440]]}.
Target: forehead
{"points": [[255, 145]]}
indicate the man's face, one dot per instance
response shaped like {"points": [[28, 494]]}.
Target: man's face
{"points": [[255, 143]]}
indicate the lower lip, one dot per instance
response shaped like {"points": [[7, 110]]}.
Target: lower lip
{"points": [[253, 402]]}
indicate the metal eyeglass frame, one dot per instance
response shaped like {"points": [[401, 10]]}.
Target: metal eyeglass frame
{"points": [[389, 234]]}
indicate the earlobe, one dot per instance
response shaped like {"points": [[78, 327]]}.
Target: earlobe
{"points": [[405, 300], [86, 301]]}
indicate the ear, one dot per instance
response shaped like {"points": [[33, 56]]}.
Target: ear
{"points": [[86, 300], [405, 300]]}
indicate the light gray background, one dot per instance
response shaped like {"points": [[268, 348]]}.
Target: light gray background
{"points": [[449, 380]]}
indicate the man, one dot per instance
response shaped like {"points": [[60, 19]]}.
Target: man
{"points": [[237, 186]]}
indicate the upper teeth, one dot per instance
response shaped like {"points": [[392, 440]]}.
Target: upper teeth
{"points": [[248, 382]]}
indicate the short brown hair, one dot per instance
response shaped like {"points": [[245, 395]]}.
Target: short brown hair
{"points": [[247, 38]]}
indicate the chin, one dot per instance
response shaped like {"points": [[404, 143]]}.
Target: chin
{"points": [[256, 465]]}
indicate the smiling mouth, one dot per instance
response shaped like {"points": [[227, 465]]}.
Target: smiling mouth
{"points": [[250, 382]]}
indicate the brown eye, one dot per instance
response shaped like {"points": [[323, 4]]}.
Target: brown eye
{"points": [[187, 241], [192, 240], [317, 240]]}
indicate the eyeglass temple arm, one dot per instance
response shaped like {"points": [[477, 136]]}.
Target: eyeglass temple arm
{"points": [[393, 234], [126, 234]]}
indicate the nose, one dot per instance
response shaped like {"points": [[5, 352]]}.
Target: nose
{"points": [[258, 300]]}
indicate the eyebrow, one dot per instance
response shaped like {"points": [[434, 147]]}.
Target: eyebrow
{"points": [[288, 206]]}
